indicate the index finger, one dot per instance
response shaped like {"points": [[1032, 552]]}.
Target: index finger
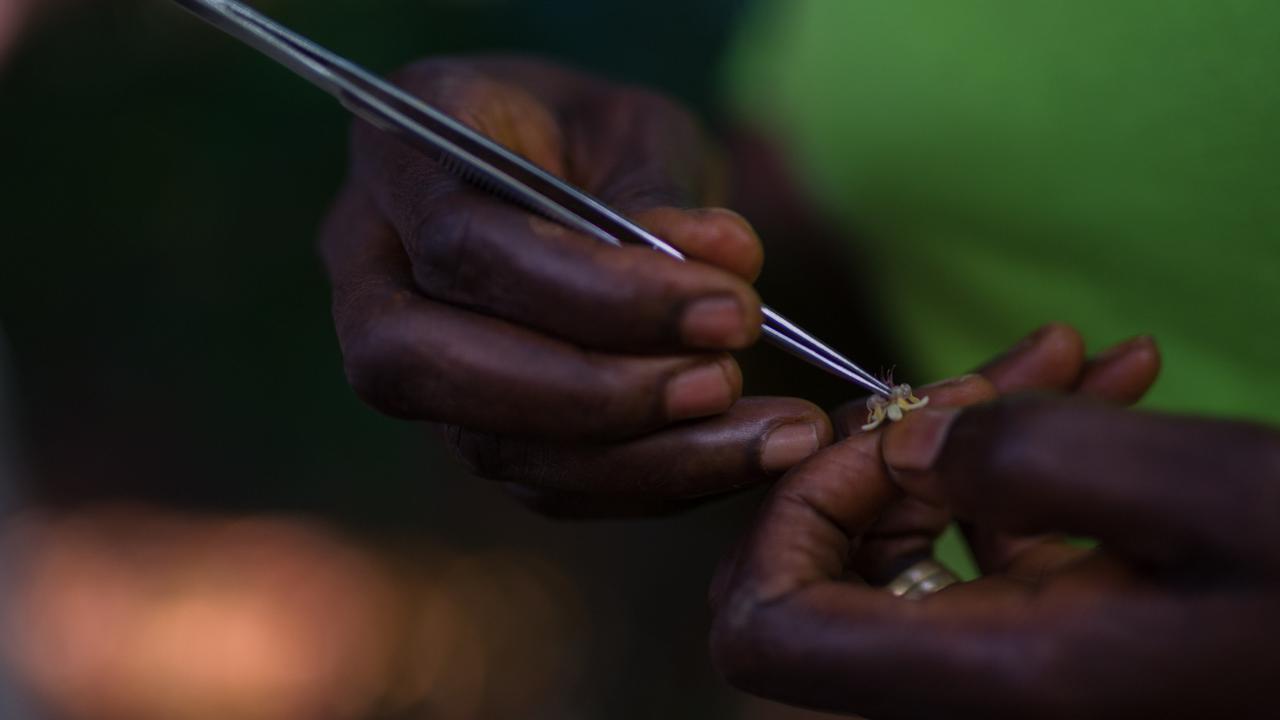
{"points": [[1161, 489], [415, 358], [485, 254]]}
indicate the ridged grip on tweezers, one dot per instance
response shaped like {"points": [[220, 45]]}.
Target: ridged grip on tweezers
{"points": [[481, 161]]}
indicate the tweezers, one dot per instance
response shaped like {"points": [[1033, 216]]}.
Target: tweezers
{"points": [[481, 161]]}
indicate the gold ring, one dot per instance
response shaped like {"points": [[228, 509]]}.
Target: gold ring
{"points": [[923, 578]]}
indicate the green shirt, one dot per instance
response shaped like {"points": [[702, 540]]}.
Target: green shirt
{"points": [[1113, 164]]}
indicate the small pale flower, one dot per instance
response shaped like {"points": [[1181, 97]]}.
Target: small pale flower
{"points": [[901, 401]]}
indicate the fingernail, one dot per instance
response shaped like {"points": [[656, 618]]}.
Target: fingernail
{"points": [[787, 446], [717, 322], [704, 390], [914, 444]]}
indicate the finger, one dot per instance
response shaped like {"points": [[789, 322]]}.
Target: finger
{"points": [[956, 392], [809, 526], [1122, 374], [1049, 359], [1160, 489], [723, 576], [1052, 359], [907, 530], [905, 534], [754, 441], [481, 253], [716, 236], [789, 624], [649, 158], [797, 539], [637, 150], [477, 252], [411, 357]]}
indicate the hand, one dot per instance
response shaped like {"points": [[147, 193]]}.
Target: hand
{"points": [[1172, 616], [1052, 359], [553, 361]]}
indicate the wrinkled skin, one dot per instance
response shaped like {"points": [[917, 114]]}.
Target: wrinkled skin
{"points": [[589, 378], [582, 376], [1172, 615]]}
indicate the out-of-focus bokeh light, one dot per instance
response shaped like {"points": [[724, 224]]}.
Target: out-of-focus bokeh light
{"points": [[134, 614]]}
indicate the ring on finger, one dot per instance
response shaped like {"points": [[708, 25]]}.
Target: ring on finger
{"points": [[922, 578]]}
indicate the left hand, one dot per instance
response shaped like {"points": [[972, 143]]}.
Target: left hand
{"points": [[1051, 359], [1051, 630], [590, 380]]}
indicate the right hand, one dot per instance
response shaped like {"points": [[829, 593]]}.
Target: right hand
{"points": [[593, 377]]}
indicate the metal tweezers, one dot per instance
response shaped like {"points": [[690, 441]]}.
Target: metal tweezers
{"points": [[480, 160]]}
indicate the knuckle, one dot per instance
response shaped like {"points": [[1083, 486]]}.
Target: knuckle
{"points": [[480, 453], [605, 394], [547, 503], [350, 298], [386, 372], [370, 378], [734, 642], [501, 459], [748, 627], [442, 251], [457, 257], [664, 160], [634, 283], [622, 398]]}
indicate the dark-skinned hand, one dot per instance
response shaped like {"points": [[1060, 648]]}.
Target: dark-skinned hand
{"points": [[589, 378], [1172, 615]]}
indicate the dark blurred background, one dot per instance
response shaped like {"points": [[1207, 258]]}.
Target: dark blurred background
{"points": [[188, 429]]}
